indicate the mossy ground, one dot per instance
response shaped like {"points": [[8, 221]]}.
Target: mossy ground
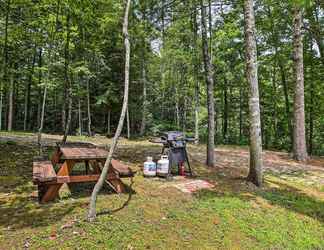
{"points": [[287, 213]]}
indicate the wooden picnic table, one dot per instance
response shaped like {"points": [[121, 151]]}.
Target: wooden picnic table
{"points": [[66, 157]]}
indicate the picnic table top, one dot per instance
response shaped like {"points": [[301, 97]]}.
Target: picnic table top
{"points": [[83, 153]]}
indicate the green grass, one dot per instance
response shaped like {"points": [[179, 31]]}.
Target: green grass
{"points": [[282, 215]]}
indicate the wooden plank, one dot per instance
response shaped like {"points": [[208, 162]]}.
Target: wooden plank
{"points": [[43, 171], [69, 153], [56, 157], [122, 169], [52, 191], [82, 178]]}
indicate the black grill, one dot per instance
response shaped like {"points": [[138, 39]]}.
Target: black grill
{"points": [[175, 142]]}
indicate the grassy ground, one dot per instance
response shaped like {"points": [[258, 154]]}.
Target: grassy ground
{"points": [[287, 213]]}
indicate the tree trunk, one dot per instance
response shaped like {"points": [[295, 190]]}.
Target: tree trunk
{"points": [[225, 115], [210, 88], [5, 60], [143, 123], [275, 107], [108, 121], [255, 173], [103, 176], [210, 27], [40, 130], [39, 106], [11, 103], [80, 117], [196, 72], [27, 93], [299, 141], [42, 117], [88, 107], [128, 124], [67, 80], [241, 113]]}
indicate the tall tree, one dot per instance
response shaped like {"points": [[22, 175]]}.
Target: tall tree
{"points": [[209, 74], [299, 138], [5, 60], [255, 173], [67, 79], [103, 176]]}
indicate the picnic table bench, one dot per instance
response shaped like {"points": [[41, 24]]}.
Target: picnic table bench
{"points": [[65, 158]]}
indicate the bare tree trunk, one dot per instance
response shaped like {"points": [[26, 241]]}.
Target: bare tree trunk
{"points": [[1, 104], [88, 107], [128, 124], [225, 114], [40, 130], [67, 79], [108, 121], [241, 112], [27, 93], [80, 117], [11, 93], [275, 107], [42, 116], [196, 71], [299, 142], [210, 28], [39, 105], [103, 176], [143, 124], [210, 89], [255, 173], [5, 57], [177, 116]]}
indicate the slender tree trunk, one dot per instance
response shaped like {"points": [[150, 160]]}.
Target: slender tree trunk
{"points": [[143, 123], [177, 115], [51, 42], [27, 93], [299, 142], [210, 27], [128, 124], [209, 73], [103, 176], [311, 105], [39, 106], [88, 107], [311, 119], [225, 115], [241, 113], [11, 102], [1, 104], [196, 72], [40, 130], [67, 79], [80, 117], [108, 121], [5, 61], [274, 102], [255, 173]]}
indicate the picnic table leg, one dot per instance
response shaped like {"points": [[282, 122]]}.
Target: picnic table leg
{"points": [[113, 179], [53, 189], [87, 166]]}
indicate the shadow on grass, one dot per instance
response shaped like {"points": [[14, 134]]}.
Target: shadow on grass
{"points": [[21, 211], [130, 192], [294, 199]]}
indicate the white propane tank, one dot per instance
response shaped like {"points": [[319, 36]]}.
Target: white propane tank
{"points": [[149, 167], [163, 166]]}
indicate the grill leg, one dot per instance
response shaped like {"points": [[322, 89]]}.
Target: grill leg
{"points": [[187, 159], [169, 176]]}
